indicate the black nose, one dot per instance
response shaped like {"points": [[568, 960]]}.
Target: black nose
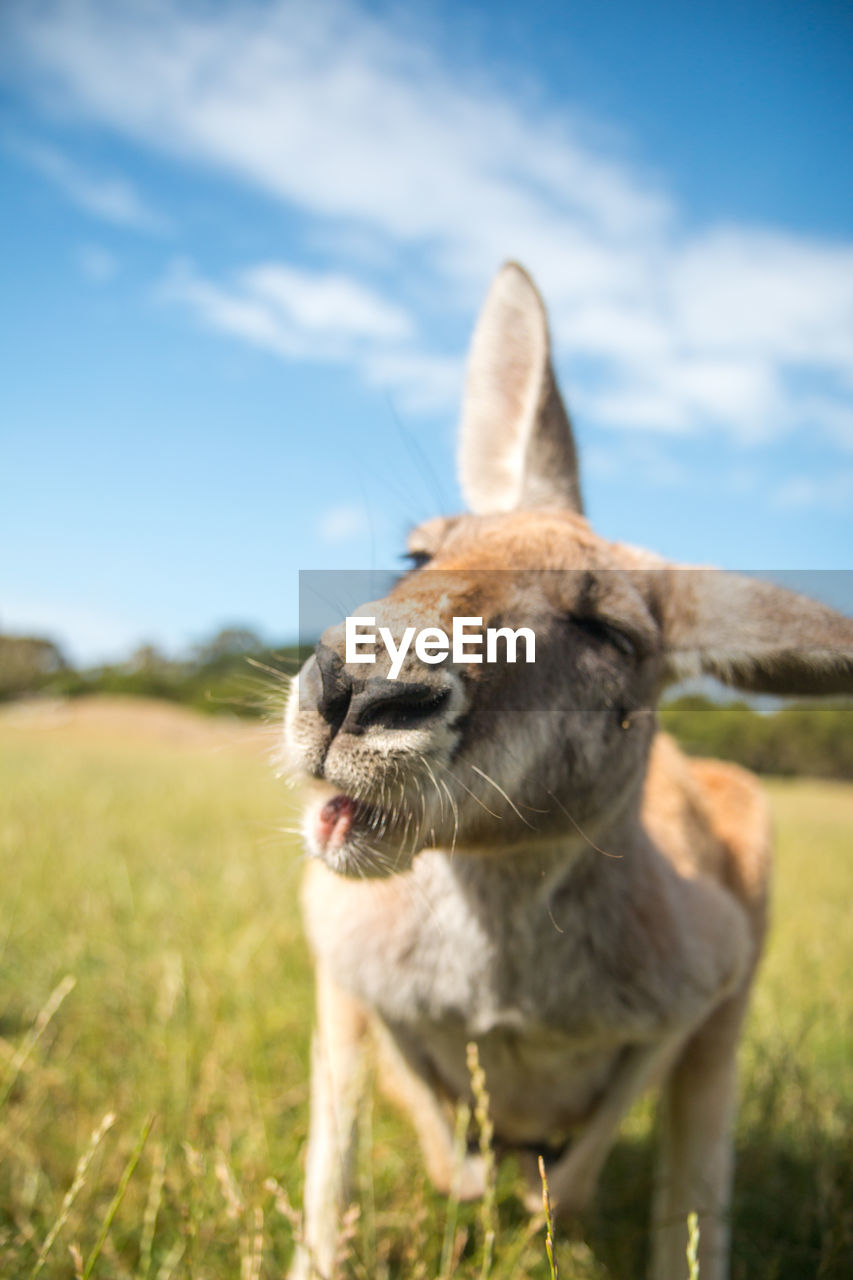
{"points": [[393, 704], [354, 705], [335, 691]]}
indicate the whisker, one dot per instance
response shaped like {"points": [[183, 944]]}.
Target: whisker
{"points": [[501, 791], [580, 829], [481, 803]]}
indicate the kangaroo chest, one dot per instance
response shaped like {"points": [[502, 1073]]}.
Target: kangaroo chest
{"points": [[441, 966], [465, 946]]}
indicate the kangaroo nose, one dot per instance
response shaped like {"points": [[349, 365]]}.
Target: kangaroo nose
{"points": [[353, 706], [335, 691], [393, 704]]}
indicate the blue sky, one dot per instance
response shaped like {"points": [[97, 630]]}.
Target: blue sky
{"points": [[243, 245]]}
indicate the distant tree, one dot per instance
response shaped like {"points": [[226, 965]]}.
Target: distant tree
{"points": [[230, 642], [27, 663], [147, 659], [812, 739]]}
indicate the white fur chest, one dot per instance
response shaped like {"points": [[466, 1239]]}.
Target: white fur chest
{"points": [[453, 944], [442, 964]]}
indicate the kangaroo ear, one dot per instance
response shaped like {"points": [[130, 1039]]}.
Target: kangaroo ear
{"points": [[516, 447], [753, 635]]}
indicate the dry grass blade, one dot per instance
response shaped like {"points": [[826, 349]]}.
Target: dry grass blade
{"points": [[77, 1261], [152, 1208], [460, 1138], [345, 1238], [485, 1128], [54, 1000], [692, 1246], [126, 1176], [549, 1223], [170, 1263], [252, 1247], [73, 1191]]}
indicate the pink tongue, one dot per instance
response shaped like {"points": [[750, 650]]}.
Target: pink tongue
{"points": [[335, 820]]}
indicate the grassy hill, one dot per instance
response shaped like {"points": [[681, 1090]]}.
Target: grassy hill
{"points": [[155, 992]]}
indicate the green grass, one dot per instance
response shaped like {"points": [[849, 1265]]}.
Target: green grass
{"points": [[153, 872]]}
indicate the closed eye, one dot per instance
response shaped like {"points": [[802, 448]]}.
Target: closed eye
{"points": [[417, 559], [602, 632]]}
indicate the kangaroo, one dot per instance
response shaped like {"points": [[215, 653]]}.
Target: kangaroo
{"points": [[510, 853]]}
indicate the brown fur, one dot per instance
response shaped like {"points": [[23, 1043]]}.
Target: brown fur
{"points": [[529, 865]]}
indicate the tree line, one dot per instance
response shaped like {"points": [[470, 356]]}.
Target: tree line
{"points": [[236, 672], [812, 738]]}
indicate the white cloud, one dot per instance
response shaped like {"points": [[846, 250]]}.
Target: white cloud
{"points": [[361, 127], [762, 291], [233, 310], [301, 315], [326, 304], [110, 198]]}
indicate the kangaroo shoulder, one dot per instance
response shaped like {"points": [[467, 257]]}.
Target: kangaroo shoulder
{"points": [[711, 818]]}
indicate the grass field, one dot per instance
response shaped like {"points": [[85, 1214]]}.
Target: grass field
{"points": [[155, 1013]]}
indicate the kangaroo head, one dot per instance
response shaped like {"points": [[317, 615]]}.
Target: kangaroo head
{"points": [[420, 744]]}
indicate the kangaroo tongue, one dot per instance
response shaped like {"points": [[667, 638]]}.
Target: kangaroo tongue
{"points": [[335, 820]]}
